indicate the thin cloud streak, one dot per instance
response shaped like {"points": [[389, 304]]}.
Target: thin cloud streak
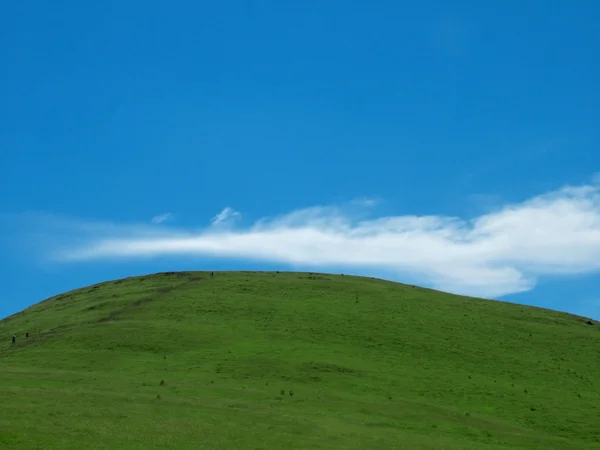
{"points": [[495, 254], [162, 218], [227, 215]]}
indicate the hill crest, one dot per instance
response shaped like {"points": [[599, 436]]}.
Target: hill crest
{"points": [[316, 359]]}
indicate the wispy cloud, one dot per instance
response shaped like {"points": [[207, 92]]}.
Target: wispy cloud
{"points": [[162, 218], [225, 216], [494, 254], [367, 201]]}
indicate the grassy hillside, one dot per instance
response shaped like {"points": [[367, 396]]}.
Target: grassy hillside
{"points": [[294, 360]]}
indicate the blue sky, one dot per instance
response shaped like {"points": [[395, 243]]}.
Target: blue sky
{"points": [[452, 144]]}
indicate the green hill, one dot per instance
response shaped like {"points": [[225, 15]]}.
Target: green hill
{"points": [[294, 360]]}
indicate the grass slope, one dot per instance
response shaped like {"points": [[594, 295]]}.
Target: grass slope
{"points": [[294, 360]]}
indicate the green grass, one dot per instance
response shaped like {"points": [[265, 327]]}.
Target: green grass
{"points": [[183, 360]]}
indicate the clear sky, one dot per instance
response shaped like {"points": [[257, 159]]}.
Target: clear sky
{"points": [[451, 144]]}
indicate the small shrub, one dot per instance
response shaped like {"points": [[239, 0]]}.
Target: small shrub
{"points": [[291, 393], [282, 392], [157, 396], [162, 382]]}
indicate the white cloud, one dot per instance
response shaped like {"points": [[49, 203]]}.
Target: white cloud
{"points": [[228, 214], [495, 254], [162, 218]]}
